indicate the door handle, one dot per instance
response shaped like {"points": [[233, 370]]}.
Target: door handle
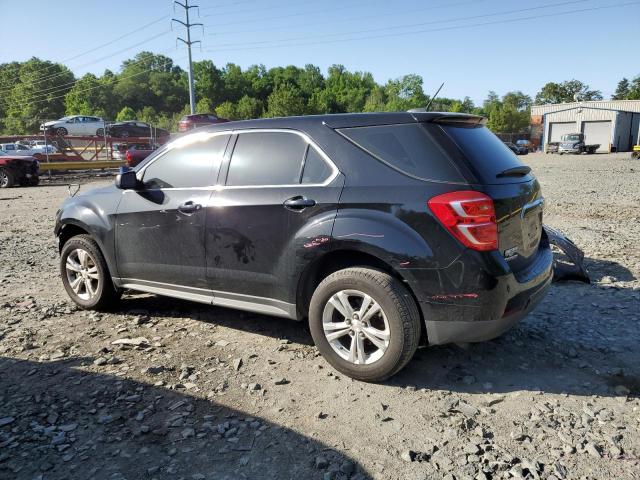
{"points": [[189, 207], [298, 203]]}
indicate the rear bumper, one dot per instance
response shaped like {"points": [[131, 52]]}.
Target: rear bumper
{"points": [[480, 300]]}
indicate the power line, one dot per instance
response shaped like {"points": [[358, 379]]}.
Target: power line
{"points": [[400, 34], [410, 25], [351, 19], [64, 86], [115, 79], [136, 30]]}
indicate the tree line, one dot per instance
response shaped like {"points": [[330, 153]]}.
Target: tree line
{"points": [[149, 87]]}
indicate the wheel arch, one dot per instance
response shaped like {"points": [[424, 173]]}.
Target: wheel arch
{"points": [[338, 259]]}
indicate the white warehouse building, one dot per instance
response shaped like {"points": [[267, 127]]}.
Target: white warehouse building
{"points": [[614, 124]]}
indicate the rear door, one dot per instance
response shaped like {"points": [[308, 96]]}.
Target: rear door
{"points": [[275, 185], [160, 226]]}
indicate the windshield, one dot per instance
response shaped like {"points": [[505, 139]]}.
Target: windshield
{"points": [[574, 137]]}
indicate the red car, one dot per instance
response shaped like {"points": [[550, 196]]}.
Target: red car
{"points": [[198, 120], [136, 153], [18, 170]]}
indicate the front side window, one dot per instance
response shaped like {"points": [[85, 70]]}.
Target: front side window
{"points": [[266, 158], [194, 163]]}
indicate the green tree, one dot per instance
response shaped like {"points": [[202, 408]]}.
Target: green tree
{"points": [[634, 89], [622, 90], [127, 113], [285, 101], [227, 110], [249, 107], [567, 91], [37, 94], [90, 96], [205, 105]]}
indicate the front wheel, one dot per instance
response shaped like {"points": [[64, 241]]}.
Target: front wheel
{"points": [[365, 323], [100, 132], [85, 274], [61, 132]]}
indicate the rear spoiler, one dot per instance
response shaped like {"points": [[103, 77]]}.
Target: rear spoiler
{"points": [[460, 119]]}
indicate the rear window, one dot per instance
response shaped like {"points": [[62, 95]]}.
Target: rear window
{"points": [[486, 153], [409, 147]]}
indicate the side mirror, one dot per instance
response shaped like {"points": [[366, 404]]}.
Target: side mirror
{"points": [[127, 180]]}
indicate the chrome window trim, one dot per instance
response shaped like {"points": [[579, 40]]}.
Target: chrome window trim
{"points": [[334, 169]]}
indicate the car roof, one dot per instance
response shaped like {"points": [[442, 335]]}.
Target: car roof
{"points": [[340, 120]]}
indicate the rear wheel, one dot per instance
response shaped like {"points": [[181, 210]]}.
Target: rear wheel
{"points": [[7, 179], [100, 132], [365, 323], [34, 181], [85, 274]]}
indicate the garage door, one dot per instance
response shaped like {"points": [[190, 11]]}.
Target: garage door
{"points": [[557, 129], [597, 132]]}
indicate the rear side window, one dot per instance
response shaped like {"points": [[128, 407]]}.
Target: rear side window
{"points": [[194, 164], [486, 153], [266, 158], [409, 147], [316, 169]]}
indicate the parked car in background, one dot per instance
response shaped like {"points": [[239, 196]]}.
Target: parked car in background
{"points": [[530, 147], [136, 153], [552, 147], [42, 147], [381, 229], [518, 150], [198, 120], [75, 125], [15, 148], [576, 143], [134, 128], [18, 170]]}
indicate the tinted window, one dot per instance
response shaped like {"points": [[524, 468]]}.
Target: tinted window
{"points": [[316, 169], [409, 148], [266, 158], [487, 154], [194, 164]]}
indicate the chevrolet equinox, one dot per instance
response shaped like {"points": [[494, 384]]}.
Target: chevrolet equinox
{"points": [[384, 230]]}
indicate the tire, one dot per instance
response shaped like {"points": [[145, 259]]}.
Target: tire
{"points": [[99, 295], [124, 134], [34, 181], [100, 132], [396, 325], [7, 180], [61, 132]]}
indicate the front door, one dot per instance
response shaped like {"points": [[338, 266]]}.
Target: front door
{"points": [[160, 226], [277, 187]]}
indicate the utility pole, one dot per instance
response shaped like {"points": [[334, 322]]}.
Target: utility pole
{"points": [[188, 43]]}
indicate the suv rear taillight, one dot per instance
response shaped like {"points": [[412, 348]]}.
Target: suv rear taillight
{"points": [[469, 216]]}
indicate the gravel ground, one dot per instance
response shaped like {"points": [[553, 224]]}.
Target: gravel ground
{"points": [[167, 389]]}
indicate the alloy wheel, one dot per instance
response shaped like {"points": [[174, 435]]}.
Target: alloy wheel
{"points": [[356, 327], [82, 274], [4, 179]]}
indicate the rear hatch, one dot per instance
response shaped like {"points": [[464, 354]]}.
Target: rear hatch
{"points": [[515, 191]]}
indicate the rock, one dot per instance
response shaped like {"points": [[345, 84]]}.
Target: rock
{"points": [[154, 370], [321, 462], [592, 450], [136, 342], [221, 343], [254, 386], [6, 421], [472, 449], [282, 381], [187, 433], [69, 427], [466, 409], [347, 467], [237, 363], [100, 361]]}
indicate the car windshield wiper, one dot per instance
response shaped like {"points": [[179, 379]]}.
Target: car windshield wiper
{"points": [[520, 171]]}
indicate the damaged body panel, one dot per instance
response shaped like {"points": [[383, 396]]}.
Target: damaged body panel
{"points": [[568, 259]]}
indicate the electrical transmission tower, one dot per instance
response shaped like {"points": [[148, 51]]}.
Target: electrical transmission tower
{"points": [[188, 42]]}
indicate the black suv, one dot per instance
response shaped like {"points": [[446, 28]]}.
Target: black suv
{"points": [[383, 230]]}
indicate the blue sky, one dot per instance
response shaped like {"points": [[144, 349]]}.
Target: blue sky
{"points": [[473, 46]]}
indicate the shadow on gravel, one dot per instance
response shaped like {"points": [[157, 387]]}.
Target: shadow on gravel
{"points": [[549, 351], [598, 269], [59, 422]]}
